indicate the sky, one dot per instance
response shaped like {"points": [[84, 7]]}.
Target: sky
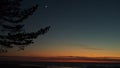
{"points": [[84, 28]]}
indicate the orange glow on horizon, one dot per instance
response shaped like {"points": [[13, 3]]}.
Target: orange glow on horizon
{"points": [[91, 61], [62, 59]]}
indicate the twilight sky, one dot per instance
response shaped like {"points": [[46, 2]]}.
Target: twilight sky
{"points": [[88, 28]]}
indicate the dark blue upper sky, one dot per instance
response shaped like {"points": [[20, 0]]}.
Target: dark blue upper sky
{"points": [[77, 25]]}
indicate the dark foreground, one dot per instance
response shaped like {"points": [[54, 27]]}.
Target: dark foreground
{"points": [[57, 65]]}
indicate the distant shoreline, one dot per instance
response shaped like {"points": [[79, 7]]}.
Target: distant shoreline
{"points": [[58, 63], [13, 64]]}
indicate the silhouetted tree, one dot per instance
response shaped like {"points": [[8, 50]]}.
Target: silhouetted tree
{"points": [[11, 22]]}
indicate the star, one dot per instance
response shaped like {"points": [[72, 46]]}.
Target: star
{"points": [[46, 6]]}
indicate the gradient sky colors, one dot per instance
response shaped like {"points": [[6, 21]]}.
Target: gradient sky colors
{"points": [[85, 28]]}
